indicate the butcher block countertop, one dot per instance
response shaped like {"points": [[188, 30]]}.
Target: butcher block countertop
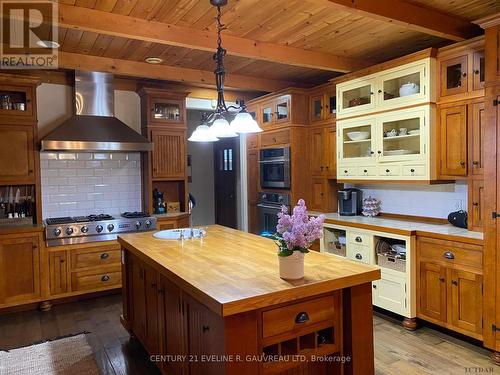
{"points": [[233, 272]]}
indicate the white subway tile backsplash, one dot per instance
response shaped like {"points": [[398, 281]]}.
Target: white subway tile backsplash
{"points": [[76, 184]]}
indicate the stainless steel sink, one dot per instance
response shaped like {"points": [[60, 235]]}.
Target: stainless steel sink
{"points": [[180, 234]]}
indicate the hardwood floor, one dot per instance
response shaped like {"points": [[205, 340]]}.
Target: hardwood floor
{"points": [[397, 351]]}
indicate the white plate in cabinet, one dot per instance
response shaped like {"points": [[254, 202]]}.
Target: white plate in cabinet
{"points": [[390, 293]]}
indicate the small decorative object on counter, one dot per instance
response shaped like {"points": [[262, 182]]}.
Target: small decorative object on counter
{"points": [[458, 219], [173, 207], [158, 202], [371, 206], [294, 235]]}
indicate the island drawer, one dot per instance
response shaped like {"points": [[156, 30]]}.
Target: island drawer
{"points": [[274, 138], [362, 239], [299, 316], [450, 252], [358, 253], [96, 279], [95, 257]]}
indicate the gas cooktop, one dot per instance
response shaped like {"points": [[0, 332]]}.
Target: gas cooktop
{"points": [[91, 228]]}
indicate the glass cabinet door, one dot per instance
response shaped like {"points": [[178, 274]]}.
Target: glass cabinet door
{"points": [[15, 101], [478, 70], [331, 105], [165, 110], [401, 86], [355, 97], [402, 136], [316, 108], [267, 115], [454, 76], [283, 109], [356, 140]]}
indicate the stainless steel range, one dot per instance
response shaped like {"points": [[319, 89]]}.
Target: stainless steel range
{"points": [[103, 227]]}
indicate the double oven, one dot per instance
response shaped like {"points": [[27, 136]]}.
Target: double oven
{"points": [[274, 178]]}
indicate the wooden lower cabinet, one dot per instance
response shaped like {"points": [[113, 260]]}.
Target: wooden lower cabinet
{"points": [[450, 292], [476, 205], [172, 222], [20, 264], [58, 272]]}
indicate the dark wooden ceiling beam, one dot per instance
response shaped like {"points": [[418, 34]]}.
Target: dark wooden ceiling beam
{"points": [[410, 16], [96, 21], [68, 60]]}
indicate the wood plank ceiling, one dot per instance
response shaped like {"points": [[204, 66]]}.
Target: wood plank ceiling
{"points": [[307, 25]]}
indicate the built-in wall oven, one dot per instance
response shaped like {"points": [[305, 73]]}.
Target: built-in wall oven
{"points": [[275, 168], [268, 206]]}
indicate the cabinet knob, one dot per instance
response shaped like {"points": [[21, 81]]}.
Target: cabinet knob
{"points": [[449, 255], [321, 168], [462, 163], [205, 328], [387, 170], [475, 163], [379, 91], [302, 317], [366, 170], [358, 239], [372, 152], [104, 256], [161, 291], [374, 286], [464, 74], [412, 170], [62, 261], [30, 171], [327, 167], [379, 152], [475, 204], [345, 171], [454, 282], [371, 93], [476, 71], [358, 256], [441, 278], [105, 278]]}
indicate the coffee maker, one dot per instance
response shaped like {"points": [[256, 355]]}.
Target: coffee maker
{"points": [[350, 202]]}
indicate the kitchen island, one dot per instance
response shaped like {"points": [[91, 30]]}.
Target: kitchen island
{"points": [[218, 306]]}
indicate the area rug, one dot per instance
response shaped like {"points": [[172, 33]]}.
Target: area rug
{"points": [[69, 355]]}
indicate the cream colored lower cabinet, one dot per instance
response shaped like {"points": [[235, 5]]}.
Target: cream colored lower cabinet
{"points": [[395, 291], [395, 145]]}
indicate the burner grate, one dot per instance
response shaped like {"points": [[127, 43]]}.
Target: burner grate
{"points": [[59, 220], [134, 215]]}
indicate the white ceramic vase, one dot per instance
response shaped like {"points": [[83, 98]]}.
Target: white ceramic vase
{"points": [[292, 267]]}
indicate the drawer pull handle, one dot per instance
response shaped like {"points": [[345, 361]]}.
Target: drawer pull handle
{"points": [[359, 256], [104, 256], [387, 170], [449, 255], [454, 282], [366, 171], [302, 317], [105, 278], [206, 328], [412, 170], [441, 278], [358, 239], [374, 286]]}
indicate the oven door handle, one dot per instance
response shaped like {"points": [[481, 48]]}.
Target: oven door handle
{"points": [[262, 205], [276, 161]]}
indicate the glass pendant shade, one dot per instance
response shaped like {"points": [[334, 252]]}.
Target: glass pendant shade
{"points": [[202, 133], [244, 123], [221, 129]]}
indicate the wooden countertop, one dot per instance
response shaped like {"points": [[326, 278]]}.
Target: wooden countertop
{"points": [[171, 215], [10, 229], [232, 271], [405, 227]]}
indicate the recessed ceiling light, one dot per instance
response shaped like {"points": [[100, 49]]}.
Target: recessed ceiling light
{"points": [[153, 60], [47, 44]]}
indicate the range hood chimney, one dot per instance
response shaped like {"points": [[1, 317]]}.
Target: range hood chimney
{"points": [[94, 126]]}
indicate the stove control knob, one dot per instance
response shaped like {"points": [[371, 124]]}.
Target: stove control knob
{"points": [[137, 224], [110, 227], [69, 231], [57, 232], [264, 196], [147, 223], [84, 229], [280, 199], [99, 228]]}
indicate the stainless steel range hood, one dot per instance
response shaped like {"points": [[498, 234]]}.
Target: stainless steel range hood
{"points": [[94, 127]]}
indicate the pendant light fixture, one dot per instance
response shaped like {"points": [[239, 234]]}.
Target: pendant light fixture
{"points": [[221, 128], [203, 133]]}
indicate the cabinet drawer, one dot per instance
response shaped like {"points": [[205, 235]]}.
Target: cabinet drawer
{"points": [[414, 170], [96, 279], [286, 319], [389, 171], [275, 138], [252, 141], [95, 257], [359, 238], [450, 253], [358, 253], [347, 171], [367, 171]]}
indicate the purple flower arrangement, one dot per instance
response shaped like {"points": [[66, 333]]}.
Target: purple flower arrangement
{"points": [[297, 232]]}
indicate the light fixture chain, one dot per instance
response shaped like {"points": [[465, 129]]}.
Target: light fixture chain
{"points": [[220, 71]]}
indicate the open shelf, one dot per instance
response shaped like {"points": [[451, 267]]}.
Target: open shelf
{"points": [[401, 137], [359, 141]]}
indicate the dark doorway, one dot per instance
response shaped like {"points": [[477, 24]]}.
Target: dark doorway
{"points": [[226, 161]]}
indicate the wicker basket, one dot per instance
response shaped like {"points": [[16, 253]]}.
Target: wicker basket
{"points": [[391, 261], [336, 248]]}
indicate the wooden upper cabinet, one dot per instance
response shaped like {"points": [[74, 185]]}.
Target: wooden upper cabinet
{"points": [[317, 151], [478, 71], [466, 301], [453, 74], [453, 141], [322, 104], [160, 107], [17, 157], [331, 152], [316, 108], [282, 107], [20, 269], [432, 291], [169, 154], [476, 138], [17, 104]]}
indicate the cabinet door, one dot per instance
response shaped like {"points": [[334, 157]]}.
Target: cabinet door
{"points": [[283, 110], [454, 76], [253, 218], [151, 292], [403, 87], [478, 70], [205, 332], [17, 159], [453, 140], [171, 332], [355, 97], [476, 217], [169, 154], [138, 294], [19, 269], [476, 139], [253, 175], [16, 104], [356, 141], [432, 291], [466, 301], [330, 105], [166, 111], [317, 151], [390, 293], [267, 114], [58, 272], [331, 153], [319, 197], [316, 108]]}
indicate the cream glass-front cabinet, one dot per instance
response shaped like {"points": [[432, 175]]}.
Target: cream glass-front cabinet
{"points": [[402, 86], [393, 145]]}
